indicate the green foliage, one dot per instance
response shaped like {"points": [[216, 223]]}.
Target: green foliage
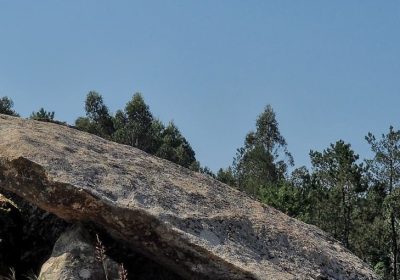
{"points": [[6, 106], [385, 166], [283, 196], [385, 170], [381, 270], [264, 158], [42, 115], [226, 176], [175, 147], [370, 239], [340, 197], [206, 170], [135, 126], [84, 124], [311, 197], [337, 172], [99, 120], [268, 135], [254, 166]]}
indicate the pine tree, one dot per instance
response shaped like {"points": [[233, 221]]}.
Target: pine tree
{"points": [[337, 171], [42, 115], [385, 169], [226, 176], [6, 106], [175, 147]]}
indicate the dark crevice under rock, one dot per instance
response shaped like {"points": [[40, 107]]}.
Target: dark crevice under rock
{"points": [[31, 234], [37, 232]]}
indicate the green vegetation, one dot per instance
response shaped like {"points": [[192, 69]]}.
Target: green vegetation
{"points": [[42, 115], [6, 106], [98, 120], [356, 201], [135, 126], [264, 158]]}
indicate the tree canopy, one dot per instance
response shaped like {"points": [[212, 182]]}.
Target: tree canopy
{"points": [[264, 158], [42, 115], [385, 171], [6, 106], [135, 126]]}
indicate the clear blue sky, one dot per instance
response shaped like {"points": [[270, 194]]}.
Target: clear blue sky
{"points": [[330, 69]]}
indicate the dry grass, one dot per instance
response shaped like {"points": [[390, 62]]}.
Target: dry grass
{"points": [[10, 276], [101, 258], [123, 274]]}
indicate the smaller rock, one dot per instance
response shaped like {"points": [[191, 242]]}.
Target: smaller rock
{"points": [[74, 257]]}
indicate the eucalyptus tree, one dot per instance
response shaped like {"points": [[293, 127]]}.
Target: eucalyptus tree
{"points": [[134, 124], [98, 119], [264, 158]]}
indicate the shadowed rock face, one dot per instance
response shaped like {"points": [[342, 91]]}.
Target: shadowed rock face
{"points": [[197, 226]]}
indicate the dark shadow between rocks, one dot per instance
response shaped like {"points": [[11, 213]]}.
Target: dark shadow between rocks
{"points": [[38, 231], [138, 266]]}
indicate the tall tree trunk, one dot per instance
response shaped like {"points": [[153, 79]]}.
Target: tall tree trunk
{"points": [[345, 236], [392, 223]]}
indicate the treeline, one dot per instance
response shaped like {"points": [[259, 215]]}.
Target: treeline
{"points": [[133, 125], [356, 201], [136, 126]]}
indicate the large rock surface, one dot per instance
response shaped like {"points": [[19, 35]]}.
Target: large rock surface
{"points": [[184, 220]]}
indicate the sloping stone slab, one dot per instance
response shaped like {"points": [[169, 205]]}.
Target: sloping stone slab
{"points": [[187, 221]]}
